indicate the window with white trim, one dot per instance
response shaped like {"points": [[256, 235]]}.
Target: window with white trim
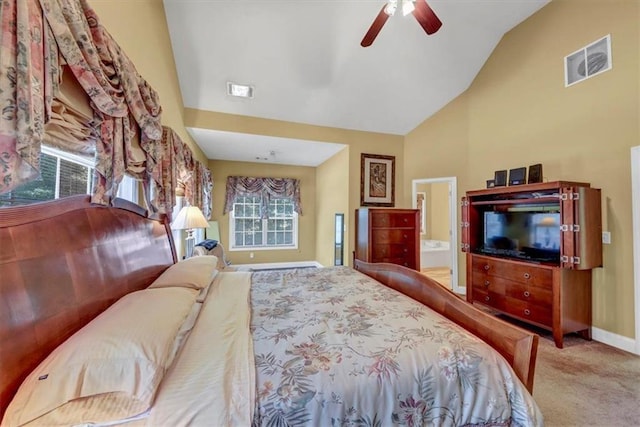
{"points": [[61, 175], [249, 231]]}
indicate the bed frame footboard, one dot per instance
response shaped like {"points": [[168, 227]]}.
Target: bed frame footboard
{"points": [[518, 346]]}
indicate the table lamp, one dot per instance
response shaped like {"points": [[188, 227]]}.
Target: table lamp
{"points": [[189, 218]]}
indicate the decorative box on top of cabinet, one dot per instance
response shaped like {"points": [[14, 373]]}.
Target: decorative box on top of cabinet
{"points": [[388, 235], [549, 288]]}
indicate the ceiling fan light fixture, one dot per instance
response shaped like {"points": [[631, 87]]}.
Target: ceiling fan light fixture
{"points": [[240, 91], [391, 7], [407, 7]]}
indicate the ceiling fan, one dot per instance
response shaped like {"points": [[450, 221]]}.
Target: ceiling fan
{"points": [[419, 8]]}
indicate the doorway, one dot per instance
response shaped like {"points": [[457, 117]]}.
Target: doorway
{"points": [[437, 200]]}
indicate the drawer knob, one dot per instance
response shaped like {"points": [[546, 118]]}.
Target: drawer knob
{"points": [[486, 283], [486, 266], [406, 220], [406, 250], [527, 311], [487, 298], [527, 276], [527, 294], [405, 236]]}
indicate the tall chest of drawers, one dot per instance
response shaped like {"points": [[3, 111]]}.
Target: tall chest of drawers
{"points": [[388, 235]]}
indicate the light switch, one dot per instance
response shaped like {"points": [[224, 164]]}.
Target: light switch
{"points": [[606, 237]]}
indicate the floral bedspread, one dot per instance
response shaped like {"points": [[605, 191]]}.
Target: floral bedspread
{"points": [[333, 347]]}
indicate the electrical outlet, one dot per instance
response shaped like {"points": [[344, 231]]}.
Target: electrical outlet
{"points": [[606, 237], [251, 255]]}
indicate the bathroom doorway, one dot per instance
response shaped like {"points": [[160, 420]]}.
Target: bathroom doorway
{"points": [[437, 200]]}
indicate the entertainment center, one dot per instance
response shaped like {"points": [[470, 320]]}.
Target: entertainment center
{"points": [[531, 250]]}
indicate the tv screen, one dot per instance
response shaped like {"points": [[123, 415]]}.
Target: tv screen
{"points": [[526, 235]]}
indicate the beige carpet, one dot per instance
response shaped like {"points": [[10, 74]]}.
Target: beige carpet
{"points": [[586, 383]]}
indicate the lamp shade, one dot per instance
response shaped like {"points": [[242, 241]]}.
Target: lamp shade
{"points": [[189, 217]]}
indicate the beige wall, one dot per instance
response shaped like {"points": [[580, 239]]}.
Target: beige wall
{"points": [[331, 198], [438, 209], [140, 28], [517, 112], [358, 142], [306, 222], [437, 204]]}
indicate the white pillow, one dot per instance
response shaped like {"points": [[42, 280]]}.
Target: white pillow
{"points": [[195, 272], [111, 368]]}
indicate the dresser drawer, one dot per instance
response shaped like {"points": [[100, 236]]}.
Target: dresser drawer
{"points": [[531, 294], [390, 236], [529, 274], [396, 219], [528, 311], [400, 260], [489, 298], [482, 282], [392, 250]]}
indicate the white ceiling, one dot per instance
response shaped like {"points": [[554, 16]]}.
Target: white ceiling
{"points": [[304, 59]]}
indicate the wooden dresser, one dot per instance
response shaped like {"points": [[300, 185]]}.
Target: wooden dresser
{"points": [[552, 292], [388, 235]]}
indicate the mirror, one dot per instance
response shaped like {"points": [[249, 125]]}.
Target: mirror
{"points": [[338, 252]]}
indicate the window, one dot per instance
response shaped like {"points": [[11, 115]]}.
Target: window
{"points": [[249, 231], [61, 175]]}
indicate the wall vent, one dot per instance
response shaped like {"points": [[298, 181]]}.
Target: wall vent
{"points": [[589, 61]]}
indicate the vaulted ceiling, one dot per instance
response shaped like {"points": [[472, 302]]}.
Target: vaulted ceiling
{"points": [[304, 60]]}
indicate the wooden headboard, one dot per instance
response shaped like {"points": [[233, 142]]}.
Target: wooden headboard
{"points": [[61, 264]]}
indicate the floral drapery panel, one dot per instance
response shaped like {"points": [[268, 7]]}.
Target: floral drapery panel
{"points": [[177, 168], [40, 38], [266, 188]]}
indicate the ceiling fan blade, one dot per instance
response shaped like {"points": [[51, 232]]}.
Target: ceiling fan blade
{"points": [[426, 17], [375, 28]]}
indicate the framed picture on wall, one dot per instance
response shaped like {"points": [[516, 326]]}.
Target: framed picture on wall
{"points": [[377, 180]]}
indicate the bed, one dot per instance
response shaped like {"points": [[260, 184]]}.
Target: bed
{"points": [[377, 344]]}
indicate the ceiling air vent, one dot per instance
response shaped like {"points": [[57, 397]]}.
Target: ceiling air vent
{"points": [[589, 61], [240, 91]]}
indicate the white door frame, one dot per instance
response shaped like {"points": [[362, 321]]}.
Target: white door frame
{"points": [[635, 212], [453, 222]]}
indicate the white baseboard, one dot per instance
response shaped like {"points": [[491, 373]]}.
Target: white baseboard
{"points": [[614, 340]]}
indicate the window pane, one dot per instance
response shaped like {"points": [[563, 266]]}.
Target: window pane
{"points": [[277, 230], [248, 239], [73, 179], [43, 188]]}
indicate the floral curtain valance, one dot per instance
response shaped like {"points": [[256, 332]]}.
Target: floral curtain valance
{"points": [[266, 188], [44, 41]]}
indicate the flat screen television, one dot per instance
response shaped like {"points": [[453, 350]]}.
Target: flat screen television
{"points": [[531, 236]]}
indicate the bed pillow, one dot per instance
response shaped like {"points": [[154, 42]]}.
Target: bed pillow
{"points": [[111, 368], [195, 272]]}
